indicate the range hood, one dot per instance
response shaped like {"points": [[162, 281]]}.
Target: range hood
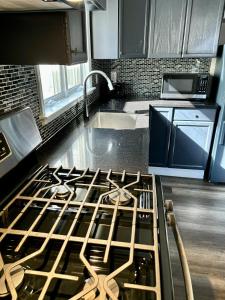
{"points": [[50, 5]]}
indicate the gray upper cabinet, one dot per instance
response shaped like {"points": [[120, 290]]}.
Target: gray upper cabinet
{"points": [[166, 28], [133, 28], [203, 23], [105, 32], [190, 144], [157, 28]]}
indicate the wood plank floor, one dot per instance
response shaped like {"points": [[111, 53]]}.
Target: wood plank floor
{"points": [[200, 213]]}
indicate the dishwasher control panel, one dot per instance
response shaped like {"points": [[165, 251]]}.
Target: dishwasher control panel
{"points": [[5, 150]]}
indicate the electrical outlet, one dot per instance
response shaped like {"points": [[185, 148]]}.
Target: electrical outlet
{"points": [[113, 76]]}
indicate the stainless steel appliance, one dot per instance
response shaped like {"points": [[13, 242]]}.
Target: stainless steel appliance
{"points": [[19, 136], [82, 234], [185, 86]]}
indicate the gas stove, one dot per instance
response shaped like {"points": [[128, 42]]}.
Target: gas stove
{"points": [[80, 234]]}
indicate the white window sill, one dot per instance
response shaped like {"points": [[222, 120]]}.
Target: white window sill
{"points": [[62, 106]]}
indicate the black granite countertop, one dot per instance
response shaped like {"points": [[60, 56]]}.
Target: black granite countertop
{"points": [[124, 146], [134, 105], [86, 146]]}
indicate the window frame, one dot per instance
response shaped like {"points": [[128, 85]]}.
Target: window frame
{"points": [[70, 91], [65, 93]]}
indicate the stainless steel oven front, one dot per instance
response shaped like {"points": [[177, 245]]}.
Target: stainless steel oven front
{"points": [[185, 86]]}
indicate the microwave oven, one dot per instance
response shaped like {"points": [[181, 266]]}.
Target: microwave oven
{"points": [[185, 86]]}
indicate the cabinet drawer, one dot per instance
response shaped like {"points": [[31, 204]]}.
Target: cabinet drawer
{"points": [[203, 114]]}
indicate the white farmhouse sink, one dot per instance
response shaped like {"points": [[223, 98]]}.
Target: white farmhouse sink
{"points": [[119, 121]]}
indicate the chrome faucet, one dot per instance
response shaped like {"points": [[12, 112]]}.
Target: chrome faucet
{"points": [[85, 87]]}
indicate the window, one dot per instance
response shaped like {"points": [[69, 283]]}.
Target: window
{"points": [[61, 85]]}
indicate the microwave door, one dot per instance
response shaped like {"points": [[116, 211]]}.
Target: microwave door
{"points": [[182, 86], [178, 88]]}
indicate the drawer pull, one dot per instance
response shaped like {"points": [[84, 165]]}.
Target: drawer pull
{"points": [[197, 116]]}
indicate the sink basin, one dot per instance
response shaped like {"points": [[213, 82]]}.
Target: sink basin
{"points": [[118, 121]]}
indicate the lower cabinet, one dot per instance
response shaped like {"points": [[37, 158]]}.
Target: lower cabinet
{"points": [[180, 138], [190, 144]]}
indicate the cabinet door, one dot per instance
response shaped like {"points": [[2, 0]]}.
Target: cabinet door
{"points": [[159, 135], [77, 37], [133, 28], [190, 144], [43, 38], [202, 27], [105, 29], [167, 28]]}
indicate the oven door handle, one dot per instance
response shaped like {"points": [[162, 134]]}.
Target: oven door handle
{"points": [[171, 221]]}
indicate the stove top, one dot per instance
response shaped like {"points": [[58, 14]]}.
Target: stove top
{"points": [[80, 234]]}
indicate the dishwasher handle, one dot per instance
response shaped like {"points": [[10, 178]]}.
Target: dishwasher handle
{"points": [[171, 221]]}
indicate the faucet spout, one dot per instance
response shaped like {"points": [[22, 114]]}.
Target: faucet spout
{"points": [[94, 72]]}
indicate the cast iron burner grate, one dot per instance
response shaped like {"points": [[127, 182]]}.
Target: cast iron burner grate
{"points": [[75, 234]]}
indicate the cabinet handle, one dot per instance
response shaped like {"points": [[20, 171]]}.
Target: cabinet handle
{"points": [[197, 116]]}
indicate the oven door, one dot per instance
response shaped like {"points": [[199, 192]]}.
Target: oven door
{"points": [[180, 86]]}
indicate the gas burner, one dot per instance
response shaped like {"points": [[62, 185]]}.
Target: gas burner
{"points": [[113, 286], [61, 192], [17, 275], [123, 197]]}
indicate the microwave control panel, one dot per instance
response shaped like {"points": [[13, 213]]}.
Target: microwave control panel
{"points": [[203, 84], [5, 150]]}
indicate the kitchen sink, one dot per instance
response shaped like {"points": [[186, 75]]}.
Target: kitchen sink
{"points": [[119, 121]]}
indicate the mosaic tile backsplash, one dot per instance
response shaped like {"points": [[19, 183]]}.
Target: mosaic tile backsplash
{"points": [[138, 77], [19, 88], [142, 77]]}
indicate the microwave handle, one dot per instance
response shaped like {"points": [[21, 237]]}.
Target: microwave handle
{"points": [[171, 221]]}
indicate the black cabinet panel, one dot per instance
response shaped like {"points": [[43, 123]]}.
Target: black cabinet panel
{"points": [[160, 129]]}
